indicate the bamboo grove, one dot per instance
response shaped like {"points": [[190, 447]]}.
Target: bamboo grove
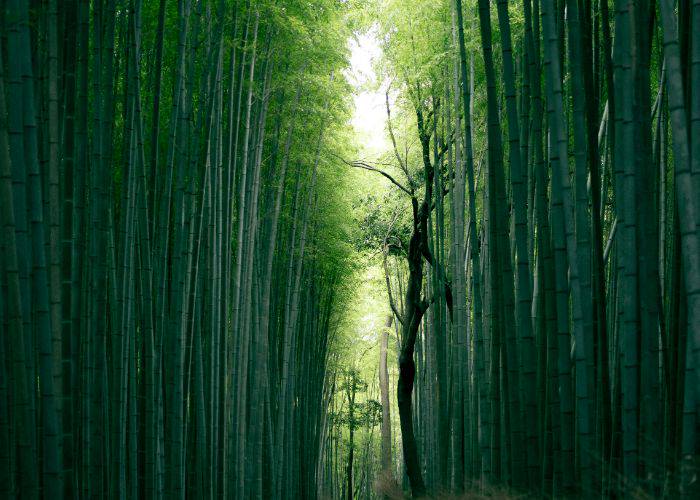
{"points": [[543, 268], [184, 234], [172, 264]]}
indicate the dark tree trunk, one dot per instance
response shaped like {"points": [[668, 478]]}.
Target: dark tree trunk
{"points": [[413, 313]]}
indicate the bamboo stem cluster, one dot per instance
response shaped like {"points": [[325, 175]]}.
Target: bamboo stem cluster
{"points": [[169, 287], [573, 369]]}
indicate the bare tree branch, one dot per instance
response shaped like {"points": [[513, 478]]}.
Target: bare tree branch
{"points": [[396, 312], [366, 166], [385, 250], [442, 276], [402, 163]]}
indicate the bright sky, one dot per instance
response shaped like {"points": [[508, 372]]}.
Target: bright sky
{"points": [[369, 119]]}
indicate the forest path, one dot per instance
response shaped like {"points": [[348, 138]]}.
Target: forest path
{"points": [[361, 394]]}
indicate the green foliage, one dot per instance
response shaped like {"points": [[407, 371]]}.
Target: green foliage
{"points": [[355, 413], [369, 413], [384, 219]]}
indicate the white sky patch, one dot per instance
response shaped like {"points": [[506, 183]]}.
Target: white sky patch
{"points": [[369, 118]]}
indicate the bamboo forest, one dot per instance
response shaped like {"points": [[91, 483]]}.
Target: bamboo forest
{"points": [[349, 249]]}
